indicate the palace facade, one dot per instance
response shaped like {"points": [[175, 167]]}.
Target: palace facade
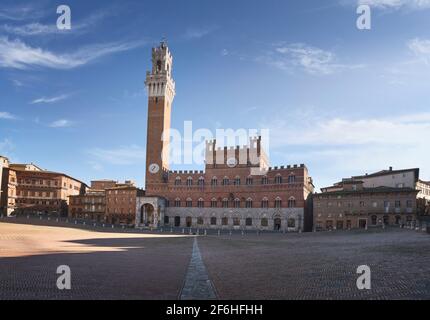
{"points": [[28, 189], [237, 189]]}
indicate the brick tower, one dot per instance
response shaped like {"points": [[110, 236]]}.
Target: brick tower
{"points": [[161, 92]]}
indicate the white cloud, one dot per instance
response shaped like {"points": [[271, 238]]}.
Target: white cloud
{"points": [[38, 29], [339, 147], [421, 48], [7, 116], [310, 59], [62, 123], [16, 54], [397, 4], [19, 13], [197, 33], [125, 155], [51, 99]]}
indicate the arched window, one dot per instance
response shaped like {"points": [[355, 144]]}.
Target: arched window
{"points": [[178, 181], [292, 202], [264, 222], [248, 222], [177, 202], [224, 221], [292, 178], [237, 181], [214, 203], [249, 181], [213, 221], [265, 203], [225, 181], [201, 181], [237, 203], [265, 180], [200, 203], [236, 221], [214, 182], [248, 203], [189, 182], [189, 203], [291, 223], [200, 221], [225, 203], [278, 203], [278, 179]]}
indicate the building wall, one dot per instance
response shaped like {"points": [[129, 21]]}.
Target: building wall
{"points": [[45, 192], [392, 180], [354, 207], [121, 205], [88, 206]]}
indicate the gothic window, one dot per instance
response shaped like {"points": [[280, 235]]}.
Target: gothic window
{"points": [[264, 180], [236, 203], [201, 181], [225, 181], [214, 182], [224, 221], [374, 220], [225, 203], [278, 203], [213, 221], [189, 203], [291, 178], [158, 65], [200, 221], [248, 203], [189, 182], [265, 203], [178, 181], [200, 203], [213, 203], [249, 181], [177, 203], [237, 181], [236, 221], [291, 202], [278, 179]]}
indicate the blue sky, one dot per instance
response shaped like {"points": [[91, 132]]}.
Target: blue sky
{"points": [[341, 100]]}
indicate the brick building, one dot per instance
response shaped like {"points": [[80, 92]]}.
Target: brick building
{"points": [[28, 189], [237, 189], [387, 197], [107, 201]]}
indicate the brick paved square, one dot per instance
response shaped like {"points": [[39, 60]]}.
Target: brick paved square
{"points": [[119, 265]]}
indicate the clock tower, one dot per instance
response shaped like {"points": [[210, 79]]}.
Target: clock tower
{"points": [[161, 92]]}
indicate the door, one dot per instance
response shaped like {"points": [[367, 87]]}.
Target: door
{"points": [[277, 224], [177, 221]]}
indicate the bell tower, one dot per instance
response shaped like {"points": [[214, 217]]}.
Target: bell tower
{"points": [[161, 92]]}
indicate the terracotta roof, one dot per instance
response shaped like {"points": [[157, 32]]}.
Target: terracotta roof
{"points": [[370, 190], [389, 172]]}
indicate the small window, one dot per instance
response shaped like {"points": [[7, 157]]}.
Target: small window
{"points": [[278, 179], [224, 221], [264, 222], [264, 180], [213, 221], [249, 181], [248, 222]]}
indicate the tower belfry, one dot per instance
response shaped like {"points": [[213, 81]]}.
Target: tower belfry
{"points": [[161, 92]]}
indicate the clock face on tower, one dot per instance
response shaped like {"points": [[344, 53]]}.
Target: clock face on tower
{"points": [[231, 162], [154, 168]]}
